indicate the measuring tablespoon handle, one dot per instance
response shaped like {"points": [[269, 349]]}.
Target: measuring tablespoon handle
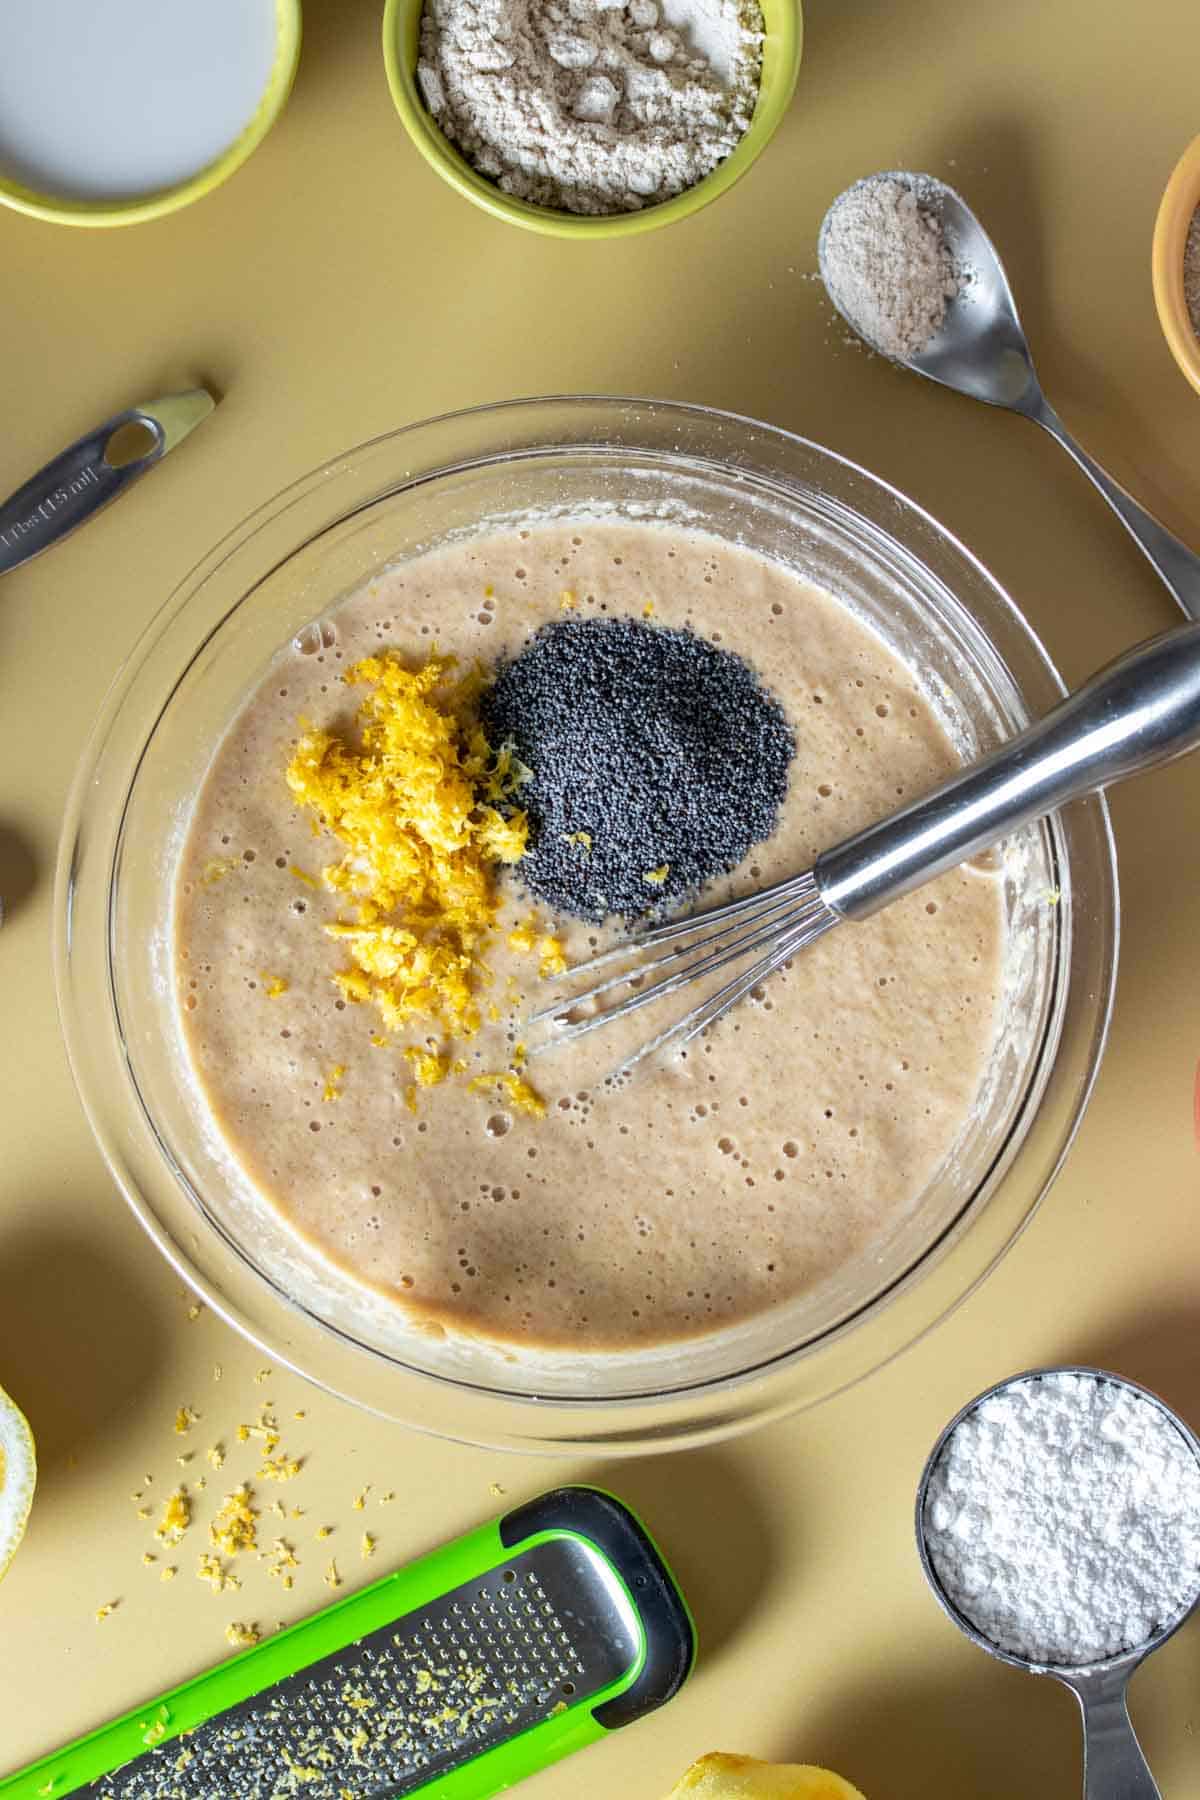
{"points": [[1142, 710], [91, 472], [1113, 1765]]}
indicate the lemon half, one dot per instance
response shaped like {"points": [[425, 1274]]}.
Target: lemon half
{"points": [[720, 1777], [18, 1472]]}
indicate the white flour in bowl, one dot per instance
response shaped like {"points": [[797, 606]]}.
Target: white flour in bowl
{"points": [[589, 106], [1062, 1518]]}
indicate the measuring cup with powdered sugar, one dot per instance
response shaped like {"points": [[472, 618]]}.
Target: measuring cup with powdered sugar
{"points": [[1058, 1523]]}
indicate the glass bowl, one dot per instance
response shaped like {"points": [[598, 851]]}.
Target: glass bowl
{"points": [[205, 652]]}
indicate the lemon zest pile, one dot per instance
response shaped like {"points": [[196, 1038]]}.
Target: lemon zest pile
{"points": [[656, 877], [416, 806]]}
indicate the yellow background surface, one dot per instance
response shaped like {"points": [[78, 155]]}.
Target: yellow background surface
{"points": [[335, 289]]}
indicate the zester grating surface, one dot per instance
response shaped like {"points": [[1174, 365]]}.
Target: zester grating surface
{"points": [[414, 1698]]}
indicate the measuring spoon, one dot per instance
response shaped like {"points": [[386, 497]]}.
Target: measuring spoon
{"points": [[1113, 1765], [92, 471], [981, 351]]}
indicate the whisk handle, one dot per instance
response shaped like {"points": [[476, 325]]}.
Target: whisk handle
{"points": [[1142, 710]]}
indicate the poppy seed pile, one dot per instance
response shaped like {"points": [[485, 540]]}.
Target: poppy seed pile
{"points": [[657, 760]]}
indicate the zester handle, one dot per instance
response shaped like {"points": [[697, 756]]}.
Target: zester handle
{"points": [[82, 479], [1141, 710]]}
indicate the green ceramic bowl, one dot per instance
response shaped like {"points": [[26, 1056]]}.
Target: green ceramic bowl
{"points": [[64, 210], [781, 65]]}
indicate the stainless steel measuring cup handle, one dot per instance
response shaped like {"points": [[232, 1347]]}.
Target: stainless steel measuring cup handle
{"points": [[1178, 567], [1143, 709], [82, 479], [1113, 1765]]}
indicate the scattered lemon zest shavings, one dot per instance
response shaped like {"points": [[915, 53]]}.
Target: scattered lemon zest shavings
{"points": [[242, 1637], [428, 1066], [103, 1612], [331, 1578], [273, 985], [210, 1568], [552, 956], [333, 1082], [280, 1468], [177, 1516], [185, 1418], [235, 1528], [368, 1545], [656, 877], [280, 1559], [521, 1096]]}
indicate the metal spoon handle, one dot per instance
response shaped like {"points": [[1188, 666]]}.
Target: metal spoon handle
{"points": [[1178, 567], [1113, 1765], [82, 479], [1141, 710]]}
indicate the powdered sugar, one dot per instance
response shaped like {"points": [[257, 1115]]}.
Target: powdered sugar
{"points": [[592, 106], [886, 264], [1062, 1518]]}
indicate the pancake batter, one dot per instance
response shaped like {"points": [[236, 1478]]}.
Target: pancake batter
{"points": [[752, 1169]]}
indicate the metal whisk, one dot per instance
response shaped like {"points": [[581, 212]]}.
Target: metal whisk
{"points": [[1139, 711]]}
